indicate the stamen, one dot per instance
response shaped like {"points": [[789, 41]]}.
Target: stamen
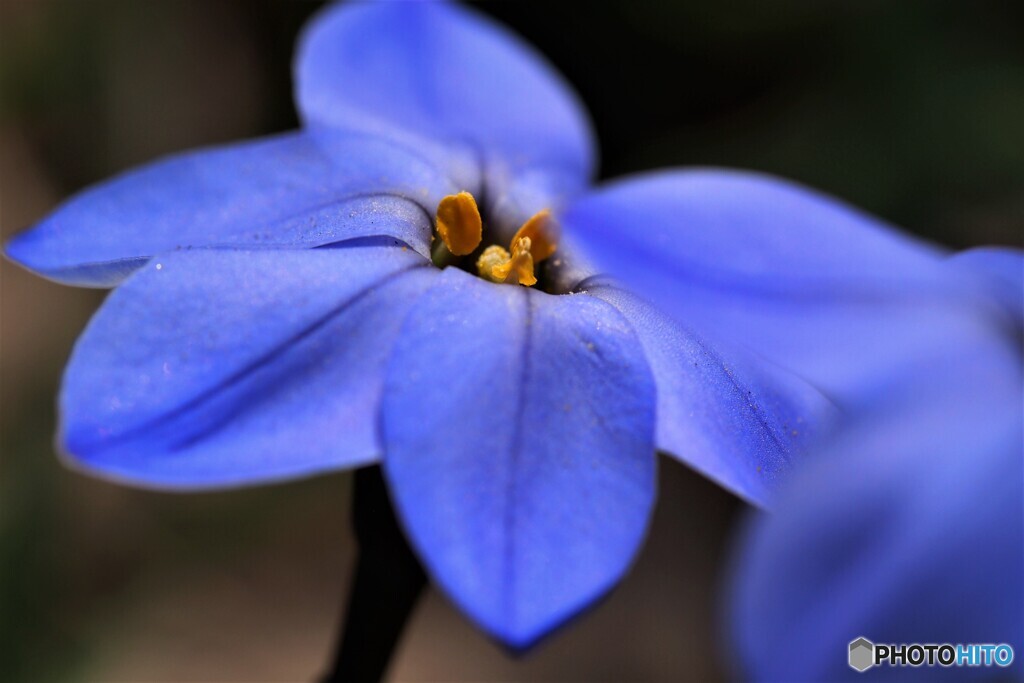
{"points": [[459, 224], [519, 268], [531, 244], [492, 257], [539, 229]]}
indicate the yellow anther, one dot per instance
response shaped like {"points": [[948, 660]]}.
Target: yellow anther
{"points": [[492, 257], [519, 268], [459, 224], [539, 230], [531, 244]]}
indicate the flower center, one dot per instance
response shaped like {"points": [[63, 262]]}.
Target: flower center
{"points": [[461, 229]]}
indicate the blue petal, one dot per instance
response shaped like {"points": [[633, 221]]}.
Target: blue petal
{"points": [[908, 529], [287, 191], [738, 420], [222, 367], [1003, 269], [454, 86], [518, 433], [803, 280]]}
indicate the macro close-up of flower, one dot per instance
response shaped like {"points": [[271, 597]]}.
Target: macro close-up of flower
{"points": [[285, 302], [427, 277]]}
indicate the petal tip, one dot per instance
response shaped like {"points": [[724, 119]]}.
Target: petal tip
{"points": [[19, 250]]}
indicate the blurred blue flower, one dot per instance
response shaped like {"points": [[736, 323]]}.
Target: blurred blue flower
{"points": [[909, 526], [277, 314]]}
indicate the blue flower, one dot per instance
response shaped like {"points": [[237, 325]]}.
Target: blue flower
{"points": [[908, 527], [277, 312]]}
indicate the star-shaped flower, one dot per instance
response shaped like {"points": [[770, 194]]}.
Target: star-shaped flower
{"points": [[278, 312]]}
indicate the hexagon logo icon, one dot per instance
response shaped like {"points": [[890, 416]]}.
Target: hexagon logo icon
{"points": [[862, 654]]}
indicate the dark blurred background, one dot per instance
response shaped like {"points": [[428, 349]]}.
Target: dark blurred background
{"points": [[913, 110]]}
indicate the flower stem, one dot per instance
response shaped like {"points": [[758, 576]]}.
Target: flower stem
{"points": [[388, 580]]}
